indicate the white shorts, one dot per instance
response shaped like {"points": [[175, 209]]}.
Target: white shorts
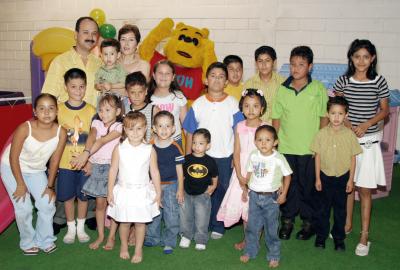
{"points": [[370, 171]]}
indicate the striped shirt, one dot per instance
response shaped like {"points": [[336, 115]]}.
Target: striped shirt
{"points": [[363, 98]]}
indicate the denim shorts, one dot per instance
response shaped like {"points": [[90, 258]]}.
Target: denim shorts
{"points": [[69, 185], [96, 185]]}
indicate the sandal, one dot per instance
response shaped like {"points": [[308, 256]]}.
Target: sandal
{"points": [[362, 250], [50, 249], [31, 251]]}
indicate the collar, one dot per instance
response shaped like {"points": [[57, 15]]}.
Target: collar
{"points": [[332, 131], [69, 106], [209, 98], [132, 109], [116, 67], [270, 156], [289, 80]]}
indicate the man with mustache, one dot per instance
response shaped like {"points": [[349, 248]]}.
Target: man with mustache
{"points": [[79, 56]]}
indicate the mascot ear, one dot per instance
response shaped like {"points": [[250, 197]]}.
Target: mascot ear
{"points": [[205, 32], [180, 25]]}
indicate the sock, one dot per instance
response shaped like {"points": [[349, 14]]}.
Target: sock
{"points": [[71, 226], [80, 226]]}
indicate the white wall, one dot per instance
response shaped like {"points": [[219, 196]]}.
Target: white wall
{"points": [[237, 27]]}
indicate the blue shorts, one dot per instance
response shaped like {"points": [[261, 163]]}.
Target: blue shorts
{"points": [[69, 185]]}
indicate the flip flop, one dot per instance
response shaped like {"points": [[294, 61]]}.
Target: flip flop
{"points": [[50, 249], [31, 251]]}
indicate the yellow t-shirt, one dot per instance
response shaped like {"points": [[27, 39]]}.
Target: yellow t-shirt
{"points": [[234, 91], [77, 121], [54, 83], [269, 89]]}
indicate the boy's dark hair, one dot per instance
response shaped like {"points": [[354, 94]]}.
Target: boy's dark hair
{"points": [[129, 28], [137, 78], [162, 114], [217, 65], [354, 47], [268, 128], [74, 73], [229, 59], [202, 131], [265, 50], [338, 101], [251, 92], [110, 42], [81, 19], [303, 52], [44, 95]]}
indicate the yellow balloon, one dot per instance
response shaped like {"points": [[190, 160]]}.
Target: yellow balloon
{"points": [[98, 15]]}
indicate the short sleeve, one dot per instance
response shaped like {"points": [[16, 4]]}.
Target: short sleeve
{"points": [[190, 123], [117, 127], [214, 168], [237, 117], [383, 88], [340, 84], [324, 101], [277, 108], [180, 99], [355, 145], [249, 164], [179, 158], [316, 143], [285, 168], [96, 124]]}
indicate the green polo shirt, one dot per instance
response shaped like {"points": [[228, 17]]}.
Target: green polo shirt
{"points": [[299, 113]]}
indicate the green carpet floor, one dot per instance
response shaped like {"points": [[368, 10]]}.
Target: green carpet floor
{"points": [[220, 254]]}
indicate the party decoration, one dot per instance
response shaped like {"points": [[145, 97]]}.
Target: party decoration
{"points": [[98, 15], [107, 31]]}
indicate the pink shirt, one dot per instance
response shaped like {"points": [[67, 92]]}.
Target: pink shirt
{"points": [[103, 155]]}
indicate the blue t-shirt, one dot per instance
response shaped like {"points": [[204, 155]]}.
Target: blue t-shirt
{"points": [[167, 159]]}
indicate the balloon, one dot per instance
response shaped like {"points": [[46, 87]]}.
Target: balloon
{"points": [[107, 31], [98, 15]]}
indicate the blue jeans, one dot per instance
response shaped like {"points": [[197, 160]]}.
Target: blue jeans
{"points": [[195, 216], [170, 214], [224, 176], [263, 211], [43, 236]]}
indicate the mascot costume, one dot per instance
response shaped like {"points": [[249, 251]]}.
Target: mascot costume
{"points": [[187, 47]]}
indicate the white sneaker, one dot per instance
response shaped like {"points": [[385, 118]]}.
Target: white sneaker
{"points": [[69, 238], [185, 243], [362, 250], [83, 237], [200, 247], [216, 235]]}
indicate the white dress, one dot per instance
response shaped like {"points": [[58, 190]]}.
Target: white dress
{"points": [[134, 194]]}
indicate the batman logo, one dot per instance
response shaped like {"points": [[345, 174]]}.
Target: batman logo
{"points": [[197, 170]]}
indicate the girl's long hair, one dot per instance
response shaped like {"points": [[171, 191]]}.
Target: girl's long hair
{"points": [[354, 47], [174, 86], [130, 119]]}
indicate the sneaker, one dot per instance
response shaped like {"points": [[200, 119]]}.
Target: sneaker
{"points": [[200, 247], [362, 250], [69, 238], [185, 242], [216, 235], [83, 237], [168, 250]]}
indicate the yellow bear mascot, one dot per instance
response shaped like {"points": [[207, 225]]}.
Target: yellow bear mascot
{"points": [[187, 47]]}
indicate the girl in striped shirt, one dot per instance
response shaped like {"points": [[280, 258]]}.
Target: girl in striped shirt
{"points": [[367, 94]]}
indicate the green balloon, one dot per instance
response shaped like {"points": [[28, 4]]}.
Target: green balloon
{"points": [[108, 31]]}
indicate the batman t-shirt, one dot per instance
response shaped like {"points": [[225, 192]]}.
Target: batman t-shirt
{"points": [[198, 172]]}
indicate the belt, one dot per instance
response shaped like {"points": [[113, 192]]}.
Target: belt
{"points": [[368, 143], [264, 193], [168, 182]]}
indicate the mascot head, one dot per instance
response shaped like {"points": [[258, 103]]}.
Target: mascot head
{"points": [[186, 46]]}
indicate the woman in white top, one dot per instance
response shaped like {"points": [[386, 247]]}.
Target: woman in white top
{"points": [[23, 166]]}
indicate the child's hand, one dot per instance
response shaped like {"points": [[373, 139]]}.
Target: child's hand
{"points": [[49, 192], [349, 186], [281, 198], [210, 190], [361, 129], [20, 193], [180, 196], [110, 198], [107, 86], [157, 200], [87, 169], [245, 195], [318, 184], [242, 180], [79, 161]]}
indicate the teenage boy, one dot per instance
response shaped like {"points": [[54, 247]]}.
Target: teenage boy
{"points": [[234, 64]]}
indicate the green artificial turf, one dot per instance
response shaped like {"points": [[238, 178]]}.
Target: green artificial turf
{"points": [[220, 254]]}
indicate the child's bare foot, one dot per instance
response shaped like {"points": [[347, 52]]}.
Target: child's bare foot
{"points": [[240, 245], [137, 257], [124, 253], [132, 239], [109, 244], [244, 258], [273, 264], [97, 243]]}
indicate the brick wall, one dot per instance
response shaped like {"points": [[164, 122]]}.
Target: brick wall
{"points": [[236, 26]]}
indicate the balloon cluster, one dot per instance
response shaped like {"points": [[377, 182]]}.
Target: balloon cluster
{"points": [[106, 30]]}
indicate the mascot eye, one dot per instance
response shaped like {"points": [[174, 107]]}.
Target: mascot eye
{"points": [[181, 37], [195, 41]]}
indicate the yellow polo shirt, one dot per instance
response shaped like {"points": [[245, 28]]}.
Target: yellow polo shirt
{"points": [[269, 89], [234, 91], [336, 148], [54, 83]]}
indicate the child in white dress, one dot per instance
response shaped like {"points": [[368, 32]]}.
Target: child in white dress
{"points": [[132, 199]]}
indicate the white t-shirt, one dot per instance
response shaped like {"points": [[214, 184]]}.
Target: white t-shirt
{"points": [[172, 103]]}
